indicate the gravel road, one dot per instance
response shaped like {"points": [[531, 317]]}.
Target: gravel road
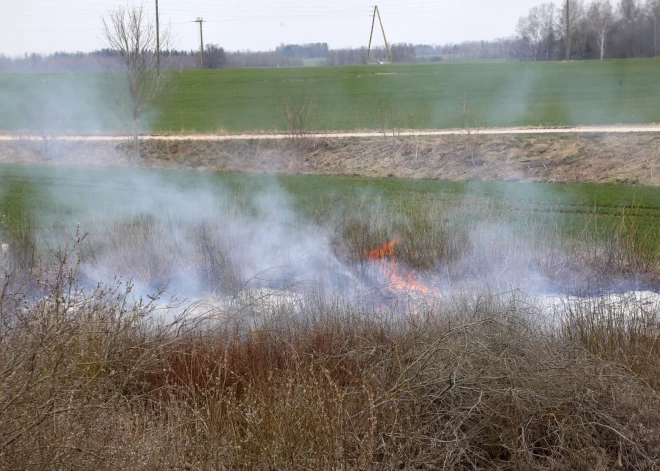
{"points": [[646, 128]]}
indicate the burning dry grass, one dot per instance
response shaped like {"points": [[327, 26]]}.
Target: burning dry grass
{"points": [[464, 240], [408, 246], [94, 381]]}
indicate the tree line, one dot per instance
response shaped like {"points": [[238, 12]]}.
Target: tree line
{"points": [[573, 29], [215, 57], [595, 30]]}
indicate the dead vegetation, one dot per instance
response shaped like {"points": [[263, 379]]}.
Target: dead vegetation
{"points": [[612, 158], [93, 380]]}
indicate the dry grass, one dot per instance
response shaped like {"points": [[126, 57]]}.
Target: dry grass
{"points": [[543, 158], [93, 380]]}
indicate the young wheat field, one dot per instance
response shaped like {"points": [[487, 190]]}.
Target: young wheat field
{"points": [[418, 96]]}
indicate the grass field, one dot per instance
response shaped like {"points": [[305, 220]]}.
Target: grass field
{"points": [[276, 361], [359, 211], [349, 98], [79, 190]]}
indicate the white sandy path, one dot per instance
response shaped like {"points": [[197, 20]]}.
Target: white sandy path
{"points": [[618, 129]]}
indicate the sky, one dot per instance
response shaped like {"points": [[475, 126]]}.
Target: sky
{"points": [[47, 26]]}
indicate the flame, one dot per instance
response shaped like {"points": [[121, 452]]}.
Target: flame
{"points": [[384, 251], [399, 278]]}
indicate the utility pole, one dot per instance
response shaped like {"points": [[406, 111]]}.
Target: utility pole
{"points": [[655, 29], [371, 35], [201, 38], [157, 40], [568, 30], [382, 28]]}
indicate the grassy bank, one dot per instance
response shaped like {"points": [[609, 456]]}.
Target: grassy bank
{"points": [[349, 98], [628, 159]]}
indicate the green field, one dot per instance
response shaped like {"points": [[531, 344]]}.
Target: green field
{"points": [[348, 98], [78, 190], [54, 199]]}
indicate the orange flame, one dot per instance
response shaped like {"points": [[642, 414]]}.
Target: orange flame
{"points": [[383, 252], [399, 278]]}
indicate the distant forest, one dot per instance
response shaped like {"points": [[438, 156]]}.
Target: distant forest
{"points": [[588, 30]]}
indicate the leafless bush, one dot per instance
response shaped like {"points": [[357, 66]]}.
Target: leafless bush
{"points": [[625, 331], [475, 385], [91, 378], [70, 366], [19, 255], [470, 125], [47, 118], [298, 112], [390, 117]]}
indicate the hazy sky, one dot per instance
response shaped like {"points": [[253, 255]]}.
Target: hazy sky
{"points": [[73, 25]]}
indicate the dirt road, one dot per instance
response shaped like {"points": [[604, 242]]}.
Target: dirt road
{"points": [[619, 129]]}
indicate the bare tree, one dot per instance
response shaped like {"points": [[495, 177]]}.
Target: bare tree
{"points": [[40, 109], [631, 17], [537, 32], [601, 20], [131, 35], [471, 127]]}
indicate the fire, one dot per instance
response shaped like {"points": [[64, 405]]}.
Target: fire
{"points": [[399, 278], [385, 251]]}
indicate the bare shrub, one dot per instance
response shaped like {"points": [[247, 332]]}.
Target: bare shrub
{"points": [[298, 112], [623, 331], [92, 379], [389, 117], [70, 366], [470, 125], [19, 255], [47, 117], [162, 253]]}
